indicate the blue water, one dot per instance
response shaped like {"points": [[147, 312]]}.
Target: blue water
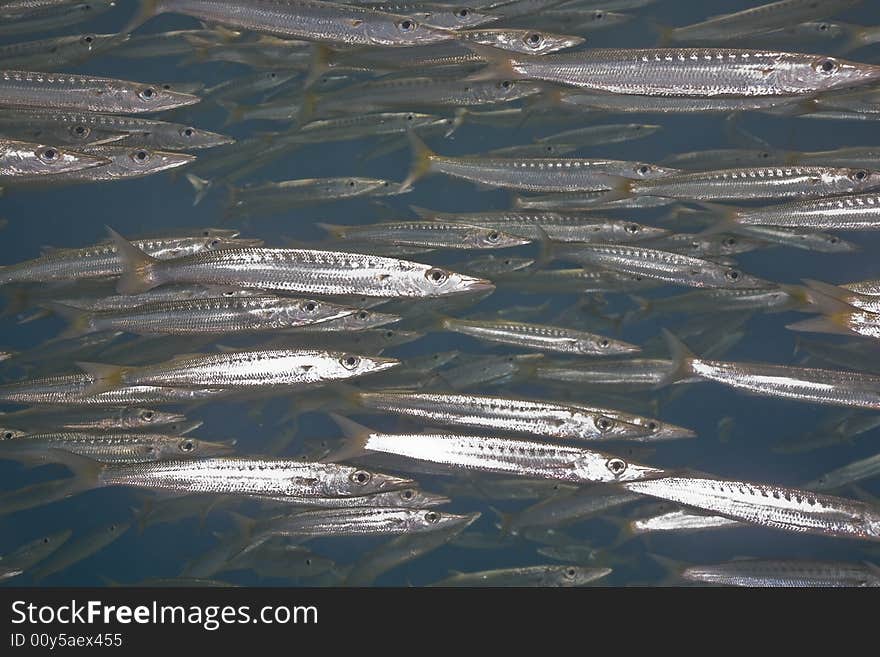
{"points": [[76, 216]]}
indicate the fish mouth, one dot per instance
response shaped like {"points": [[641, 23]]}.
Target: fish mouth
{"points": [[470, 285], [430, 499], [392, 482], [641, 472], [625, 348], [382, 364], [672, 432]]}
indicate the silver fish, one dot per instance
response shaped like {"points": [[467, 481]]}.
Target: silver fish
{"points": [[680, 521], [850, 473], [534, 417], [21, 559], [22, 161], [767, 505], [93, 94], [434, 234], [124, 418], [539, 336], [528, 576], [307, 271], [790, 573], [537, 460]]}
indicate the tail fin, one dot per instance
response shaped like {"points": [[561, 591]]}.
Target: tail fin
{"points": [[79, 320], [147, 10], [137, 275], [333, 230], [320, 63], [505, 521], [830, 291], [500, 64], [645, 308], [425, 213], [727, 218], [421, 162], [234, 111], [106, 377], [86, 472], [355, 442], [835, 324], [307, 108], [682, 357], [200, 186], [665, 34], [620, 188]]}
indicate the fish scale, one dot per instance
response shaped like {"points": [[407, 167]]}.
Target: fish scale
{"points": [[756, 572]]}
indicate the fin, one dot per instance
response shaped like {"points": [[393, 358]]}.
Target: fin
{"points": [[244, 526], [333, 230], [727, 218], [80, 321], [425, 213], [137, 275], [672, 566], [307, 109], [504, 519], [621, 188], [200, 186], [681, 355], [834, 324], [147, 10], [833, 291], [354, 443], [421, 160], [320, 63], [645, 308], [499, 63], [107, 377], [86, 472], [665, 34], [874, 568], [234, 112]]}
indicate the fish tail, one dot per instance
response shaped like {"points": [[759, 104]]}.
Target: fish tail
{"points": [[308, 107], [106, 377], [354, 443], [424, 213], [836, 324], [665, 34], [620, 188], [18, 299], [321, 62], [333, 230], [79, 321], [421, 160], [234, 111], [827, 294], [200, 186], [147, 9], [683, 358], [505, 520], [138, 267], [244, 526], [728, 218], [500, 65], [644, 309], [673, 568], [87, 473]]}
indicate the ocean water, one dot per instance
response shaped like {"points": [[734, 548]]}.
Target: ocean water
{"points": [[77, 215]]}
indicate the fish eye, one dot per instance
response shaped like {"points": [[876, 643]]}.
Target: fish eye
{"points": [[432, 517], [409, 117], [408, 494], [533, 39], [632, 228], [147, 415], [112, 528], [570, 573], [827, 66], [88, 39], [598, 15], [833, 239], [186, 446], [45, 540], [188, 132], [272, 75], [732, 274], [389, 334], [360, 477], [140, 156], [507, 84], [644, 169], [49, 154], [437, 276], [147, 93], [406, 25], [8, 435], [310, 306], [604, 424], [363, 314], [81, 131], [861, 175], [604, 343], [652, 426], [308, 562], [464, 12], [493, 236], [730, 241], [166, 87], [214, 242], [350, 362], [616, 466]]}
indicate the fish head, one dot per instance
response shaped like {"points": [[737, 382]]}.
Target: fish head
{"points": [[489, 238], [192, 448], [138, 418], [411, 497], [433, 520], [863, 179], [833, 73], [657, 430], [147, 161], [191, 137], [403, 31], [146, 97], [600, 345], [459, 18], [436, 282], [51, 159], [530, 42], [631, 230], [735, 278], [362, 319], [7, 433], [364, 482], [649, 171], [614, 428], [313, 311], [353, 365], [572, 575], [91, 43], [599, 467]]}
